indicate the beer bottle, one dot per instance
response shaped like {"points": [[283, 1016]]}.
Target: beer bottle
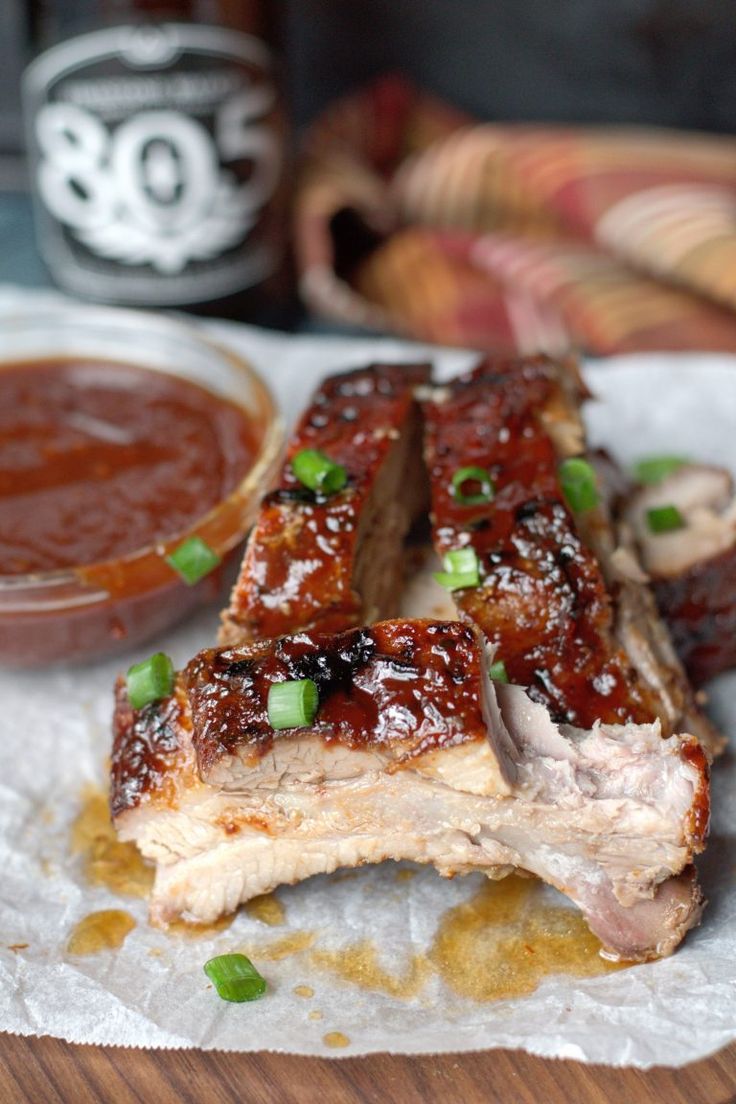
{"points": [[156, 142]]}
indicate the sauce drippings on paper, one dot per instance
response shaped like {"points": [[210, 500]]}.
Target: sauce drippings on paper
{"points": [[200, 931], [267, 908], [359, 964], [291, 944], [100, 931], [98, 459], [499, 944], [335, 1039], [106, 860], [506, 939]]}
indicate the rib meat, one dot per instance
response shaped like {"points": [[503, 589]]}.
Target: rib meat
{"points": [[559, 597], [693, 570], [413, 754], [332, 562]]}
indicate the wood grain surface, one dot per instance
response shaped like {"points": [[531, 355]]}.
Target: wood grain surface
{"points": [[47, 1071]]}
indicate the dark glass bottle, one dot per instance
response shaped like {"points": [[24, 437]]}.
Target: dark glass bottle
{"points": [[156, 141]]}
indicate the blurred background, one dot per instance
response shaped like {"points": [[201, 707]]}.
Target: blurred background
{"points": [[668, 63]]}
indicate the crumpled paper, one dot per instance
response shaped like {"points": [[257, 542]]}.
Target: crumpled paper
{"points": [[55, 737]]}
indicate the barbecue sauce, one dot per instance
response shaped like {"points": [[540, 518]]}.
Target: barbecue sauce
{"points": [[102, 459]]}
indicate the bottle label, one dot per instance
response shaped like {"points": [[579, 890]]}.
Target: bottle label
{"points": [[155, 156]]}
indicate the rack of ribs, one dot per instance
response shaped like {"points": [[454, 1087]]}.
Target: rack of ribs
{"points": [[584, 778], [329, 562], [560, 594], [693, 568], [413, 754]]}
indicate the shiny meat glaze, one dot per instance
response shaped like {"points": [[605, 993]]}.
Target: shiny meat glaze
{"points": [[301, 567], [543, 599], [403, 687], [407, 686], [611, 816], [151, 747], [693, 570]]}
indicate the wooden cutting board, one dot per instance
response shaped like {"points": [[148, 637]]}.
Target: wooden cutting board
{"points": [[47, 1071]]}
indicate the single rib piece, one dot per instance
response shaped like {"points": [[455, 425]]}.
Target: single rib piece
{"points": [[567, 617], [330, 562], [413, 754], [693, 569]]}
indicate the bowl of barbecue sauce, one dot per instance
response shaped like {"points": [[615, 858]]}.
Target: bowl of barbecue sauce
{"points": [[133, 451]]}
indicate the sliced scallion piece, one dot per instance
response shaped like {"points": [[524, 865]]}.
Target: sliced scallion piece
{"points": [[235, 978], [653, 469], [150, 680], [579, 484], [664, 519], [315, 470], [193, 559], [461, 569], [497, 671], [292, 704], [471, 475]]}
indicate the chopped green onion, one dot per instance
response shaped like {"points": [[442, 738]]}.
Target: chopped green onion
{"points": [[664, 519], [235, 978], [498, 672], [318, 472], [480, 476], [653, 469], [193, 559], [579, 484], [461, 569], [292, 704], [150, 680]]}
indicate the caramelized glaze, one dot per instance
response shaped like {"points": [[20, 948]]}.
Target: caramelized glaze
{"points": [[147, 746], [298, 568], [699, 607], [543, 599], [408, 685]]}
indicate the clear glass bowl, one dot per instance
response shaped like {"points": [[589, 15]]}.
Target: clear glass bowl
{"points": [[94, 610]]}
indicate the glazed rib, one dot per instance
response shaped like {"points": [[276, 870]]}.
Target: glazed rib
{"points": [[559, 598], [413, 754], [332, 562], [693, 569]]}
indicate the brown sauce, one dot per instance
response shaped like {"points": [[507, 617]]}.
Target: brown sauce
{"points": [[100, 459], [100, 931]]}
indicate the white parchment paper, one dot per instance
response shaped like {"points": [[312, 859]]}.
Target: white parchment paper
{"points": [[54, 738]]}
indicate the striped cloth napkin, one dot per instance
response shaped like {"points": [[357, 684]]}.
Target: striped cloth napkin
{"points": [[412, 218]]}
